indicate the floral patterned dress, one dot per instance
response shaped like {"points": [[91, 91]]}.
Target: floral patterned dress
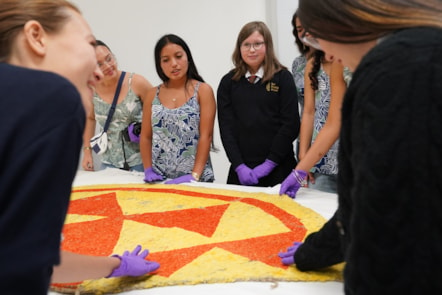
{"points": [[175, 135], [329, 163], [127, 111]]}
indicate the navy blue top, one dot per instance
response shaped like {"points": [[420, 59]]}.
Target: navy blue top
{"points": [[41, 125], [259, 121]]}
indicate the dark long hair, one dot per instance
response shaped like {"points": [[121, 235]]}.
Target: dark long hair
{"points": [[357, 21], [302, 48], [318, 59], [192, 72], [101, 43]]}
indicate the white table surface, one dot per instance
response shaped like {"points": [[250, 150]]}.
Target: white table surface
{"points": [[323, 203]]}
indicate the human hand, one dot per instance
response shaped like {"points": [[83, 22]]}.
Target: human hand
{"points": [[292, 183], [132, 134], [134, 264], [310, 178], [288, 257], [264, 169], [246, 175], [181, 179], [87, 163], [151, 176]]}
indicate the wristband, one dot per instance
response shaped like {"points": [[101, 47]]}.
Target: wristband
{"points": [[196, 176]]}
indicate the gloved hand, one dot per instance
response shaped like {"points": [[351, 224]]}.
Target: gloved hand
{"points": [[132, 135], [265, 168], [134, 264], [288, 257], [181, 179], [292, 183], [245, 175], [151, 176]]}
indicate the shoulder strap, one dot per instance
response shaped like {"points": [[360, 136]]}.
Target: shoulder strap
{"points": [[197, 86], [114, 102]]}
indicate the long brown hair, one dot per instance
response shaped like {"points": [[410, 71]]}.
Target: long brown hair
{"points": [[355, 21], [14, 14], [271, 64]]}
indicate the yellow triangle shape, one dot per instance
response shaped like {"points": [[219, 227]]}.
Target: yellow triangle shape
{"points": [[148, 202], [74, 218], [257, 222]]}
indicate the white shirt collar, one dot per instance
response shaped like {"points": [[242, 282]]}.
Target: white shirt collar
{"points": [[259, 73]]}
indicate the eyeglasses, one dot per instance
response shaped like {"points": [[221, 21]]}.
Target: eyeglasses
{"points": [[311, 41], [108, 60], [248, 46]]}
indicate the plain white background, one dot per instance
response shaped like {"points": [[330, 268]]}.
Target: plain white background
{"points": [[131, 28]]}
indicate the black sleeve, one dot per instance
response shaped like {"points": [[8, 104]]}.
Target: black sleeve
{"points": [[282, 143], [393, 151], [226, 121], [320, 249]]}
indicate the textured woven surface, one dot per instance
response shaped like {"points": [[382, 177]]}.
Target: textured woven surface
{"points": [[198, 235]]}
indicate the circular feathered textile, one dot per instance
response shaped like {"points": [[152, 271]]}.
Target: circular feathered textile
{"points": [[198, 235]]}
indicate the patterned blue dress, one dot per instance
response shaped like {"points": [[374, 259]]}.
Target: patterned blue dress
{"points": [[298, 67], [329, 163], [175, 134]]}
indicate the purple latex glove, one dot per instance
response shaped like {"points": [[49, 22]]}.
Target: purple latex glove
{"points": [[130, 130], [181, 179], [151, 176], [288, 257], [246, 175], [265, 168], [134, 264], [292, 183]]}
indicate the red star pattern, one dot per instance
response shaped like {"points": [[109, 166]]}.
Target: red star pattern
{"points": [[99, 237]]}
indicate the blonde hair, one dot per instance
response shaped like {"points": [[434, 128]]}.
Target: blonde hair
{"points": [[271, 64], [51, 14]]}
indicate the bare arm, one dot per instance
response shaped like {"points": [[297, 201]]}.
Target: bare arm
{"points": [[141, 86], [89, 131], [76, 267], [308, 114], [207, 119], [146, 129]]}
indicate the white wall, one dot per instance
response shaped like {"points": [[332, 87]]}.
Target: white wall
{"points": [[210, 27]]}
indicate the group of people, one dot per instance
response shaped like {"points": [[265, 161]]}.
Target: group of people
{"points": [[257, 105], [387, 225], [258, 120]]}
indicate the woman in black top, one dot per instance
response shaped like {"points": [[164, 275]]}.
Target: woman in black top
{"points": [[389, 182], [258, 111]]}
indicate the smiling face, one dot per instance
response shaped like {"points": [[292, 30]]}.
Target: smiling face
{"points": [[174, 62], [71, 54], [253, 51], [106, 62]]}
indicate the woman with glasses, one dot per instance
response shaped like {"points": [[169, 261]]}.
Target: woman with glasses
{"points": [[122, 151], [389, 214], [258, 111]]}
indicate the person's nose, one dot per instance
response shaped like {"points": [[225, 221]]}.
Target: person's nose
{"points": [[98, 74], [174, 63]]}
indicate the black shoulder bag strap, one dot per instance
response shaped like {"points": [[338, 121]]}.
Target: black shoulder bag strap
{"points": [[114, 102]]}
